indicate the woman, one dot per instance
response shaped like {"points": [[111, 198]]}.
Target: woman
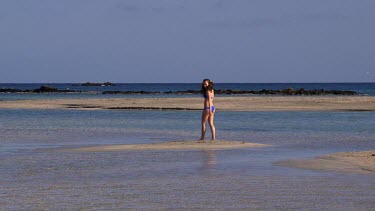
{"points": [[208, 112]]}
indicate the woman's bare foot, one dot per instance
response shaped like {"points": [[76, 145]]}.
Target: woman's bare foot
{"points": [[201, 141]]}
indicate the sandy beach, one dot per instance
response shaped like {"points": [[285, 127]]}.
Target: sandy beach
{"points": [[347, 162], [173, 145], [245, 103]]}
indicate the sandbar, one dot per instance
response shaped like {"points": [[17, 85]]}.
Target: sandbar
{"points": [[173, 145], [243, 103], [345, 162]]}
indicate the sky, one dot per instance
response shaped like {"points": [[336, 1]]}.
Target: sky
{"points": [[184, 41]]}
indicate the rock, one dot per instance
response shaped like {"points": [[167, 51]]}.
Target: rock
{"points": [[7, 90], [289, 91], [98, 84], [108, 84], [91, 84], [46, 89]]}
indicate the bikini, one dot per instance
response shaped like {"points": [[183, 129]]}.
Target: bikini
{"points": [[207, 108]]}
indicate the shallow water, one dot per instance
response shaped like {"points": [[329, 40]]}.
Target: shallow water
{"points": [[34, 177]]}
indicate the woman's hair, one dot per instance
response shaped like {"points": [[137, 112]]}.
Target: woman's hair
{"points": [[209, 87]]}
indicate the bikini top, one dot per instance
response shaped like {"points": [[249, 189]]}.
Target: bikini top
{"points": [[205, 96]]}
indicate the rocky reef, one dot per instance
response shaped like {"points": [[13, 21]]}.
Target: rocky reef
{"points": [[42, 89], [96, 84], [289, 91]]}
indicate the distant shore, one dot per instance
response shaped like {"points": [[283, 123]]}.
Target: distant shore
{"points": [[248, 103]]}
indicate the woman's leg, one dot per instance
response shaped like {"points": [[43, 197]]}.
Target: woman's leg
{"points": [[205, 114], [212, 126]]}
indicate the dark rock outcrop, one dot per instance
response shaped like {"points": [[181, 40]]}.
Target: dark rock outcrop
{"points": [[98, 84], [42, 89], [130, 92], [10, 90], [46, 89], [108, 84], [289, 91], [91, 84], [152, 108]]}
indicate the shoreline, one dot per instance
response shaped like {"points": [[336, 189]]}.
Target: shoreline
{"points": [[362, 162], [248, 103]]}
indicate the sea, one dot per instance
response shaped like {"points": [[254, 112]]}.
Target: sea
{"points": [[36, 175]]}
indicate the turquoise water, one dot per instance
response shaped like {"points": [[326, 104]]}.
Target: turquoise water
{"points": [[34, 177]]}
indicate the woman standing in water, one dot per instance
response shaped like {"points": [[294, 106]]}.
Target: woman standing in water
{"points": [[208, 112]]}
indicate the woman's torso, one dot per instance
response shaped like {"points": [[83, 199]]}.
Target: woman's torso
{"points": [[209, 100]]}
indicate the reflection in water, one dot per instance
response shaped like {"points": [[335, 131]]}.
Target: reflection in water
{"points": [[210, 160]]}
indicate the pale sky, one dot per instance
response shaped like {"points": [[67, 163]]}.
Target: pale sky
{"points": [[175, 41]]}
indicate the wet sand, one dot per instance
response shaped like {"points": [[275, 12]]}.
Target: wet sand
{"points": [[347, 162], [173, 145], [248, 103]]}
